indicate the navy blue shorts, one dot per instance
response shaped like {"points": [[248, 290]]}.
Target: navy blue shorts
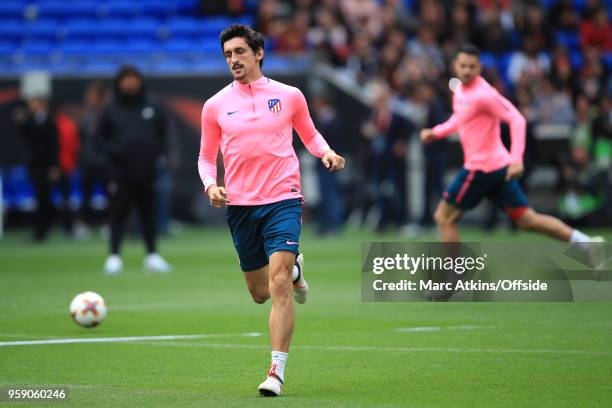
{"points": [[470, 186], [260, 230]]}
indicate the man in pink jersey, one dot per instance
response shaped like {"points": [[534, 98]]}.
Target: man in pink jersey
{"points": [[489, 169], [252, 120]]}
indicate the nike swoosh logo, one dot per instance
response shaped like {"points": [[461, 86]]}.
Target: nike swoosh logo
{"points": [[231, 113], [292, 243]]}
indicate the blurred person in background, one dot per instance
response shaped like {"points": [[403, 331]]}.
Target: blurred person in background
{"points": [[37, 126], [579, 197], [363, 63], [491, 35], [331, 206], [92, 161], [132, 134], [328, 38], [528, 64], [563, 16], [435, 152], [552, 105], [602, 135], [69, 147], [532, 25], [388, 135], [425, 48], [592, 76], [597, 31]]}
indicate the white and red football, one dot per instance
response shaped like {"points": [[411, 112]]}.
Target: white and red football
{"points": [[88, 309]]}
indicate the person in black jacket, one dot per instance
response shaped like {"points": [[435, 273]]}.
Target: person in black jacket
{"points": [[132, 135], [38, 128]]}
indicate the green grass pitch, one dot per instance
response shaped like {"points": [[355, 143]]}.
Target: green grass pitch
{"points": [[345, 353]]}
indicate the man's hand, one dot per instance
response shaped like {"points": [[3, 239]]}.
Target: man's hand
{"points": [[218, 196], [427, 135], [332, 161], [515, 170]]}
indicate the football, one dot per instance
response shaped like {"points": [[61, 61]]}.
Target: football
{"points": [[88, 309]]}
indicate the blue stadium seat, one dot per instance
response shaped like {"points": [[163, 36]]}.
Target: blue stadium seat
{"points": [[210, 45], [63, 9], [123, 8], [11, 29], [99, 67], [7, 48], [488, 60], [63, 66], [143, 27], [170, 67], [180, 46], [107, 47], [607, 60], [115, 27], [42, 29], [280, 64], [185, 27], [82, 28], [187, 6], [12, 9], [209, 64], [75, 47], [548, 3], [214, 25], [140, 46], [569, 39], [580, 4], [38, 48], [503, 62], [576, 59], [161, 8]]}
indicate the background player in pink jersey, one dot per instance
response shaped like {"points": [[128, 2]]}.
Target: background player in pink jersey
{"points": [[490, 170], [252, 120]]}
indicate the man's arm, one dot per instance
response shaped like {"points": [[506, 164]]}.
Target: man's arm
{"points": [[312, 139], [447, 128], [207, 160], [503, 109], [441, 131]]}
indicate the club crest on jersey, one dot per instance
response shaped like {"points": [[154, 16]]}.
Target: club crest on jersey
{"points": [[274, 105]]}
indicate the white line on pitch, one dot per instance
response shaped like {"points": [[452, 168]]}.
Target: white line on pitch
{"points": [[123, 339], [390, 349], [440, 328]]}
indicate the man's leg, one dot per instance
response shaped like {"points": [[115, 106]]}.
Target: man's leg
{"points": [[446, 217], [281, 321], [282, 314], [515, 203], [544, 224], [119, 208], [512, 199], [258, 284]]}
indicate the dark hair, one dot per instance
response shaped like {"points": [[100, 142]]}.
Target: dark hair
{"points": [[254, 39], [469, 49]]}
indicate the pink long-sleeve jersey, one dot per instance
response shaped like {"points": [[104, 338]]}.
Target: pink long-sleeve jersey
{"points": [[253, 124], [477, 111]]}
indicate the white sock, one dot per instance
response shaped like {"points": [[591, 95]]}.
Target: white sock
{"points": [[580, 238], [279, 359], [295, 274]]}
